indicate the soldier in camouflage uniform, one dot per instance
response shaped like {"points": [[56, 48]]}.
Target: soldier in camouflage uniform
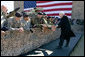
{"points": [[47, 24], [15, 23], [26, 22], [5, 22], [50, 20], [47, 21], [36, 22], [33, 13]]}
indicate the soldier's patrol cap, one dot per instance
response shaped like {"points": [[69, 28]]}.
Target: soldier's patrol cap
{"points": [[40, 13], [49, 17], [25, 14], [18, 14], [39, 8]]}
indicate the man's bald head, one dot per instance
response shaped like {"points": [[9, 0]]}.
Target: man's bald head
{"points": [[61, 14]]}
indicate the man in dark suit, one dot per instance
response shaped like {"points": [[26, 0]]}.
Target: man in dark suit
{"points": [[66, 31]]}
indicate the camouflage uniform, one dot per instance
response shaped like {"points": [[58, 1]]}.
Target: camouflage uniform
{"points": [[47, 22], [33, 15], [13, 24], [36, 21], [26, 24]]}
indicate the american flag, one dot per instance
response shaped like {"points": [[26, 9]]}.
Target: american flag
{"points": [[51, 8]]}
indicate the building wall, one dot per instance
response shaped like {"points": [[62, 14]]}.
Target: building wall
{"points": [[19, 4], [78, 10]]}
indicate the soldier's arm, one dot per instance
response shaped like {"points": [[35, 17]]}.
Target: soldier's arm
{"points": [[35, 22], [48, 25], [10, 24]]}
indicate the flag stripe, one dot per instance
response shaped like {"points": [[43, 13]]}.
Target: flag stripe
{"points": [[27, 11], [53, 7], [58, 9], [53, 2], [58, 4], [53, 12], [43, 1], [57, 14]]}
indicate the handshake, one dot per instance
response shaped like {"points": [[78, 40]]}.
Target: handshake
{"points": [[21, 29], [53, 27]]}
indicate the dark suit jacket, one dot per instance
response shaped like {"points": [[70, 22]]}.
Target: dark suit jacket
{"points": [[65, 26]]}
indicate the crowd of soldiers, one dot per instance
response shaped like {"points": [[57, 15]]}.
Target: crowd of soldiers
{"points": [[25, 21]]}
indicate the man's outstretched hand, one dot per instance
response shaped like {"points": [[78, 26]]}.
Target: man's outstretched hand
{"points": [[53, 28]]}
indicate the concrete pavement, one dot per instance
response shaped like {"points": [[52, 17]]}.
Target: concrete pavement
{"points": [[50, 48]]}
